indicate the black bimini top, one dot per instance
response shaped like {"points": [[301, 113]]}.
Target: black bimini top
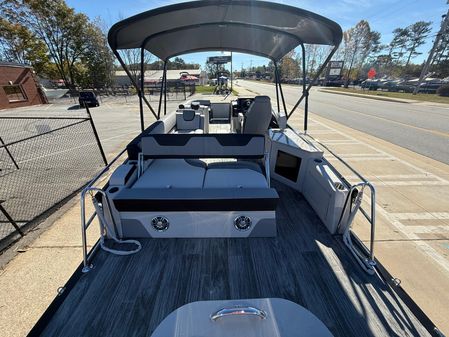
{"points": [[254, 27]]}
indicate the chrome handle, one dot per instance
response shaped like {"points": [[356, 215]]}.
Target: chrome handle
{"points": [[238, 311]]}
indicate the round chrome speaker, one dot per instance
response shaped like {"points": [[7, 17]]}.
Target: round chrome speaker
{"points": [[160, 223], [242, 223]]}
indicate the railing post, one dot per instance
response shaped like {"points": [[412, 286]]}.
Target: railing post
{"points": [[94, 129], [86, 266], [10, 219], [9, 153], [373, 222]]}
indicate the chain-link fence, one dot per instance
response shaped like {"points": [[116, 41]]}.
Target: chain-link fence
{"points": [[43, 160]]}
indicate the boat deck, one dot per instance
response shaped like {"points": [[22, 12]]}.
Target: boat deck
{"points": [[131, 295]]}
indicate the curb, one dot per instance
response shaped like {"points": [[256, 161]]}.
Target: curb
{"points": [[379, 98]]}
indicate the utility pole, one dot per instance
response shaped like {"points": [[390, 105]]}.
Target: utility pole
{"points": [[425, 69]]}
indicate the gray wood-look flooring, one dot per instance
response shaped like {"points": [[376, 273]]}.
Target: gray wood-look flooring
{"points": [[131, 295]]}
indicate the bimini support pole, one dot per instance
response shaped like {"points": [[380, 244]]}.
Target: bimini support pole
{"points": [[133, 81], [320, 70], [305, 92], [280, 87], [165, 86], [277, 88], [142, 88], [162, 88]]}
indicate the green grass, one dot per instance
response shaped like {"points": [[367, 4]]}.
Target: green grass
{"points": [[418, 97], [208, 89], [204, 89]]}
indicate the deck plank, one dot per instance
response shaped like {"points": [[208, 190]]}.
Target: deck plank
{"points": [[131, 295]]}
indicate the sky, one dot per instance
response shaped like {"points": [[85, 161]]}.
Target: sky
{"points": [[383, 15]]}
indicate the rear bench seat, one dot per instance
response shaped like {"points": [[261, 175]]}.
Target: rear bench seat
{"points": [[181, 173], [176, 170]]}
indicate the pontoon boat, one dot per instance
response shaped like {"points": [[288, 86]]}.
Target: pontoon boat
{"points": [[220, 219]]}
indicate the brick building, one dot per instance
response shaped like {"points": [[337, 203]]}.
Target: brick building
{"points": [[19, 86]]}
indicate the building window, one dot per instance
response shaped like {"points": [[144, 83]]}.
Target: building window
{"points": [[14, 93]]}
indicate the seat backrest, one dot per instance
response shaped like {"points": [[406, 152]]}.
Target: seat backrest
{"points": [[258, 116], [164, 125], [220, 111], [203, 146], [188, 119], [204, 112]]}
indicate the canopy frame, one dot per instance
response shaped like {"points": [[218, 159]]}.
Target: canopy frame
{"points": [[331, 35]]}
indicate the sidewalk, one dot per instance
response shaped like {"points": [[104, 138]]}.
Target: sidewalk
{"points": [[383, 98], [29, 282]]}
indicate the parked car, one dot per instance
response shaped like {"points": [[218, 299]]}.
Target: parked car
{"points": [[88, 98], [370, 84]]}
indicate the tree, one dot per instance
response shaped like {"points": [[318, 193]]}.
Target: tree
{"points": [[315, 56], [132, 59], [360, 42], [398, 45], [98, 59], [57, 26], [289, 66], [442, 50], [18, 44], [417, 34]]}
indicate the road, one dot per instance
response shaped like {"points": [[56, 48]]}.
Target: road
{"points": [[421, 128]]}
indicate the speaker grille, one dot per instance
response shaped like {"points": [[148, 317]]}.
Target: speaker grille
{"points": [[242, 223], [160, 223]]}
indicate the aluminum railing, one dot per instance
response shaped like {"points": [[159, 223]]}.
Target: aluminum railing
{"points": [[90, 188], [367, 260]]}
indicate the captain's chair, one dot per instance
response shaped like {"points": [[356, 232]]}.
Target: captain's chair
{"points": [[258, 117]]}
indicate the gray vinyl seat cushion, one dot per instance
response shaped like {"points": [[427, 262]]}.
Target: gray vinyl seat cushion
{"points": [[173, 173], [234, 177], [258, 117], [239, 164], [197, 131], [188, 119]]}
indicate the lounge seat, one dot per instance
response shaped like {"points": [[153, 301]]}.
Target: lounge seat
{"points": [[173, 173], [188, 121]]}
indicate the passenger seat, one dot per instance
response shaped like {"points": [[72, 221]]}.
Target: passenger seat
{"points": [[258, 117]]}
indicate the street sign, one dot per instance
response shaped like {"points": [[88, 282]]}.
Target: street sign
{"points": [[334, 70], [372, 73], [219, 59], [336, 64]]}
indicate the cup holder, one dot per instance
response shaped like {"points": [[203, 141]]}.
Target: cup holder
{"points": [[113, 189]]}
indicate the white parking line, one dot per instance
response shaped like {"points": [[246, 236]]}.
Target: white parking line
{"points": [[360, 158], [411, 183], [416, 168], [404, 230], [340, 142], [429, 229], [421, 216], [422, 245], [396, 176]]}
